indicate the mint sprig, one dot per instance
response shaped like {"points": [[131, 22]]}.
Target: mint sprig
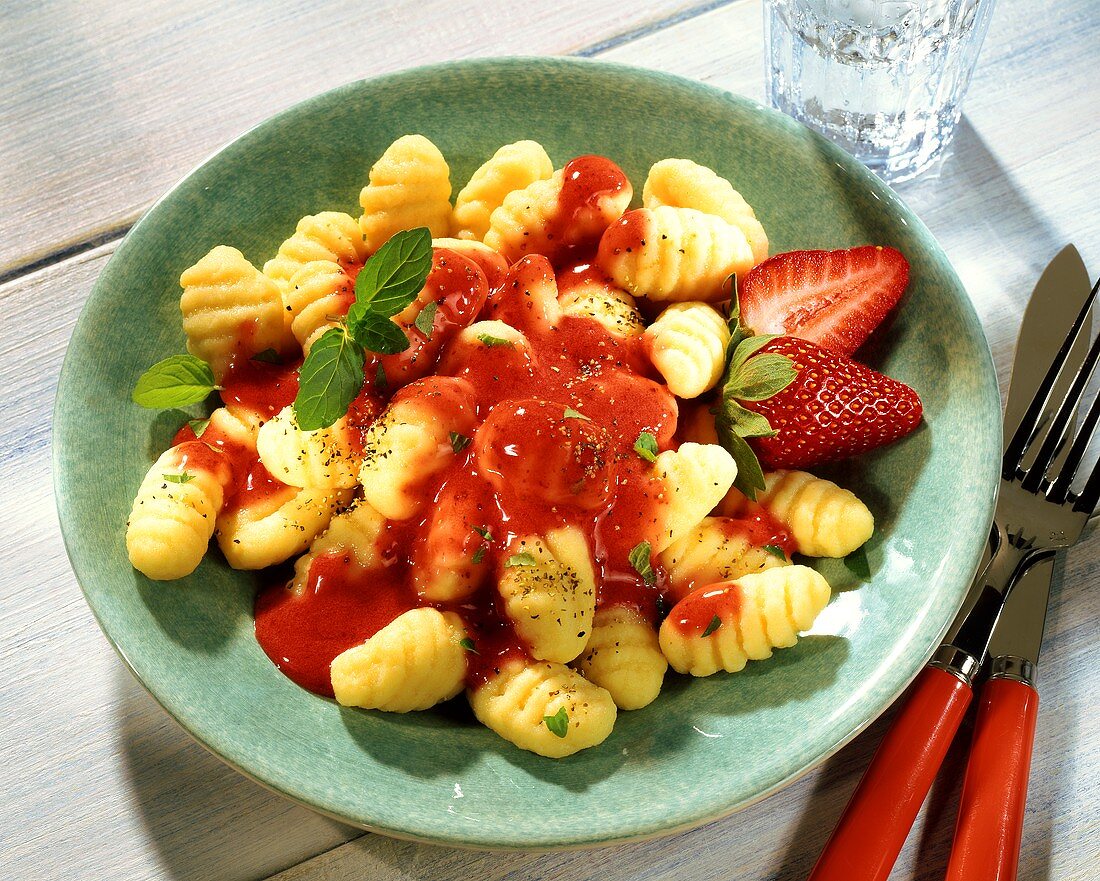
{"points": [[176, 381], [332, 374], [750, 375], [639, 558]]}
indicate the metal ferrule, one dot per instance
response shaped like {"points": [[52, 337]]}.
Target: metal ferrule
{"points": [[1012, 667], [962, 665]]}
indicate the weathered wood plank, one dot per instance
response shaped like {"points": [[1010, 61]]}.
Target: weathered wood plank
{"points": [[110, 103]]}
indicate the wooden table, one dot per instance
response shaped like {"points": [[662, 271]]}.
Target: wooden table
{"points": [[106, 104]]}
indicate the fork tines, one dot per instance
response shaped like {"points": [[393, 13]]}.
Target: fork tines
{"points": [[1049, 422]]}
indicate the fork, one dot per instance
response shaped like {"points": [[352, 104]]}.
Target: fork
{"points": [[1038, 514]]}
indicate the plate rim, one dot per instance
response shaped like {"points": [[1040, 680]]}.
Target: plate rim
{"points": [[654, 829]]}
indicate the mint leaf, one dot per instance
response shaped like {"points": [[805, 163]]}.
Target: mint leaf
{"points": [[639, 559], [459, 442], [375, 332], [492, 341], [468, 644], [176, 381], [520, 559], [558, 723], [267, 356], [646, 446], [393, 276], [858, 564], [776, 551], [181, 477], [715, 623], [426, 319], [328, 380], [570, 413], [198, 426]]}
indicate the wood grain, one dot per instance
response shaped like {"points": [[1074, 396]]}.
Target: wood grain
{"points": [[116, 101], [99, 782]]}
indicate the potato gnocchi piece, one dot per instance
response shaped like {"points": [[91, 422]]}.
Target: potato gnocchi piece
{"points": [[716, 549], [235, 425], [674, 254], [755, 613], [317, 297], [275, 528], [529, 221], [824, 519], [327, 457], [353, 533], [410, 442], [687, 344], [480, 341], [695, 477], [174, 513], [410, 187], [331, 236], [624, 657], [229, 307], [612, 307], [443, 567], [513, 167], [517, 701], [549, 592], [527, 299], [412, 663], [681, 183], [491, 263]]}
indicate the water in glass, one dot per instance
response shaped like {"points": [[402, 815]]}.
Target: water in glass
{"points": [[882, 78]]}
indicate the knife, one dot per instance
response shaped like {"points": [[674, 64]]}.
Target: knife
{"points": [[991, 810], [874, 825]]}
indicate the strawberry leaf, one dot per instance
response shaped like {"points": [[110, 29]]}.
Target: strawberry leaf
{"points": [[750, 476], [737, 331], [745, 350], [762, 376], [745, 422]]}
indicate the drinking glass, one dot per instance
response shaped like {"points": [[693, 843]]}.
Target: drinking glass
{"points": [[884, 79]]}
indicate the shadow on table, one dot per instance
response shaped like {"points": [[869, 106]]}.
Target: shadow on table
{"points": [[206, 820]]}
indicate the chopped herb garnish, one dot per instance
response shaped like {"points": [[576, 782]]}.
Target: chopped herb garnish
{"points": [[483, 531], [776, 551], [491, 341], [558, 723], [646, 446], [459, 442], [381, 383], [426, 319], [198, 426], [715, 623], [180, 477], [468, 644], [521, 559], [639, 559], [479, 554], [570, 413], [267, 356]]}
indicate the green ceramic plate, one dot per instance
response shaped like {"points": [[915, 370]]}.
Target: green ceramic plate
{"points": [[704, 748]]}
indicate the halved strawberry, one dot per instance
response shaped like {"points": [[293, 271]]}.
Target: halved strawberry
{"points": [[833, 408], [832, 298]]}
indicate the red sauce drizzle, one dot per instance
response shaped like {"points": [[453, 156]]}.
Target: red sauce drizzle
{"points": [[259, 387], [695, 612]]}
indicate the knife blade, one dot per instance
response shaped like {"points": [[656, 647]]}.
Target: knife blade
{"points": [[1054, 304], [1055, 301]]}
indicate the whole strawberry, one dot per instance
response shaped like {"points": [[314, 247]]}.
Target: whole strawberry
{"points": [[796, 405], [833, 409]]}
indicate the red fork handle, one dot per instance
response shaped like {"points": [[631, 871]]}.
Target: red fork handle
{"points": [[866, 842], [991, 811]]}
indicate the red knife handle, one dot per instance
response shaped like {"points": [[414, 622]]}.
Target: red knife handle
{"points": [[991, 811], [873, 828]]}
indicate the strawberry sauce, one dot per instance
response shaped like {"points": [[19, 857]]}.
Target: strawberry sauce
{"points": [[556, 416]]}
